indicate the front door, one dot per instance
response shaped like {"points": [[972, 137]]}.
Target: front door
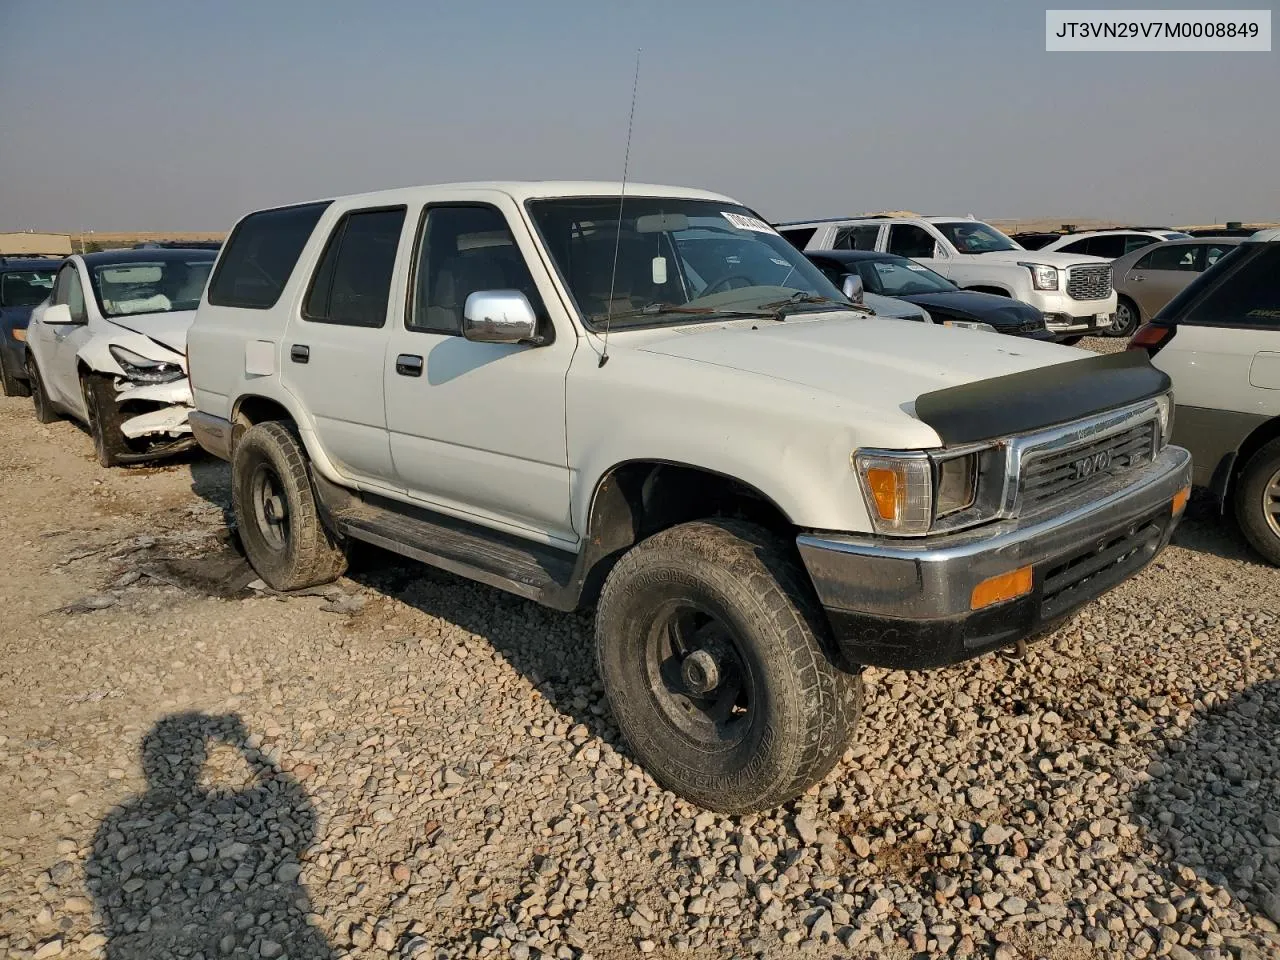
{"points": [[333, 352], [916, 243], [478, 429], [59, 366]]}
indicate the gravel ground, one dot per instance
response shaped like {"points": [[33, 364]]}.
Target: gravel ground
{"points": [[410, 765]]}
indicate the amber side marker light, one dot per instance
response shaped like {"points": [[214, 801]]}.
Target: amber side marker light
{"points": [[1004, 586], [1180, 500], [19, 335], [884, 490]]}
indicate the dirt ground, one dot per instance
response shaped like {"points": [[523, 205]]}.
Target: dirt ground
{"points": [[130, 636]]}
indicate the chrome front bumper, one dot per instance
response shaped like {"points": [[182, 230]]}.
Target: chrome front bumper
{"points": [[906, 603]]}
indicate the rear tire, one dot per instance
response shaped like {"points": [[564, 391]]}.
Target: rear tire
{"points": [[713, 653], [1127, 318], [39, 396], [1257, 501], [103, 416], [275, 509], [11, 385]]}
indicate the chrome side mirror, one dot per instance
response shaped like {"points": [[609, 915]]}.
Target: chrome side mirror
{"points": [[852, 287], [498, 316], [57, 314]]}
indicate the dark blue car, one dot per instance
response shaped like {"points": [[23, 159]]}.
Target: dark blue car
{"points": [[24, 282]]}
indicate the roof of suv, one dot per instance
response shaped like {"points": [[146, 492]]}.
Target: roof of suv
{"points": [[521, 190]]}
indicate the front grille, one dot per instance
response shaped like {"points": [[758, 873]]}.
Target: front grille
{"points": [[1081, 577], [1089, 282], [1048, 475]]}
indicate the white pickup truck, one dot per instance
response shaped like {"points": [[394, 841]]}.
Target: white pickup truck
{"points": [[1073, 291], [660, 409]]}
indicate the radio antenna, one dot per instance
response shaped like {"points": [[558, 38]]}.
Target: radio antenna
{"points": [[622, 196]]}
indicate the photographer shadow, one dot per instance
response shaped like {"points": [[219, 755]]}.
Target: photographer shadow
{"points": [[191, 868]]}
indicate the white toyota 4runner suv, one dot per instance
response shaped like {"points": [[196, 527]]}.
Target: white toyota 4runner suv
{"points": [[1073, 291], [660, 409]]}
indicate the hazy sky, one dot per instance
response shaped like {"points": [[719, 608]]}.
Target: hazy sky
{"points": [[167, 114]]}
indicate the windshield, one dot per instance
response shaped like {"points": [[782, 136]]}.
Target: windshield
{"points": [[674, 258], [900, 277], [149, 286], [25, 288], [973, 236]]}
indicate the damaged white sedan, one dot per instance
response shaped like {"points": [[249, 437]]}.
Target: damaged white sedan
{"points": [[108, 348]]}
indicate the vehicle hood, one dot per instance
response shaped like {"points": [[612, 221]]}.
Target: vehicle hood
{"points": [[971, 305], [1052, 258], [168, 329], [875, 362], [899, 309]]}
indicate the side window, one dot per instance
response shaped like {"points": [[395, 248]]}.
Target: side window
{"points": [[858, 238], [833, 270], [1214, 252], [260, 255], [68, 289], [1078, 246], [352, 283], [1246, 296], [1181, 256], [462, 250], [1136, 241], [799, 237], [909, 240], [1109, 247]]}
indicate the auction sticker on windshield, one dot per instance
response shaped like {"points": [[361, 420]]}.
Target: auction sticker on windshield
{"points": [[748, 223]]}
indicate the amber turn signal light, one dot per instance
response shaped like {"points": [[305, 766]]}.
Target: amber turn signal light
{"points": [[1180, 500], [884, 490], [1004, 586], [19, 335]]}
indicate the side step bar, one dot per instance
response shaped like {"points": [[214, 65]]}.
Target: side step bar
{"points": [[531, 570]]}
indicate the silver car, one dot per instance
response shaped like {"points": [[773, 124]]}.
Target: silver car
{"points": [[1149, 277]]}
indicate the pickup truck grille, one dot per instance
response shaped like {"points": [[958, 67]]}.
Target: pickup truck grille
{"points": [[1089, 282], [1048, 475]]}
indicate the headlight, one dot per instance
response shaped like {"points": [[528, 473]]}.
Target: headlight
{"points": [[144, 369], [1164, 410], [907, 493], [1043, 276], [969, 325]]}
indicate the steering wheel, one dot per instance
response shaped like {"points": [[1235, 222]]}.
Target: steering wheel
{"points": [[724, 281]]}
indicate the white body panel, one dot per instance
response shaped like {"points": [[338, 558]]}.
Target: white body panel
{"points": [[518, 437], [1224, 368], [61, 351]]}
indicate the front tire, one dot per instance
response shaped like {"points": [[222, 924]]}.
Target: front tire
{"points": [[1257, 501], [712, 651], [10, 384], [1127, 319], [275, 509], [39, 396], [102, 413]]}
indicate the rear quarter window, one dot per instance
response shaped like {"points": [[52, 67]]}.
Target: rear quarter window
{"points": [[260, 255], [1240, 291]]}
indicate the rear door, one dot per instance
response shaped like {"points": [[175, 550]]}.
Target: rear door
{"points": [[1159, 275], [333, 350]]}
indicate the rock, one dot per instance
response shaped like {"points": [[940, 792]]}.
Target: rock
{"points": [[269, 949], [994, 835], [90, 943], [806, 829], [1163, 911], [50, 948], [821, 925], [288, 872], [77, 905]]}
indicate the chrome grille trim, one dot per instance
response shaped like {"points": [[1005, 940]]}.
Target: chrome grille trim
{"points": [[1090, 281], [1134, 430]]}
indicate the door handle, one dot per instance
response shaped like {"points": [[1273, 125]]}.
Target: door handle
{"points": [[299, 353], [1138, 279], [409, 365]]}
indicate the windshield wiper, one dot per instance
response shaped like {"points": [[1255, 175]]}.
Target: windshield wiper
{"points": [[660, 309], [779, 309]]}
